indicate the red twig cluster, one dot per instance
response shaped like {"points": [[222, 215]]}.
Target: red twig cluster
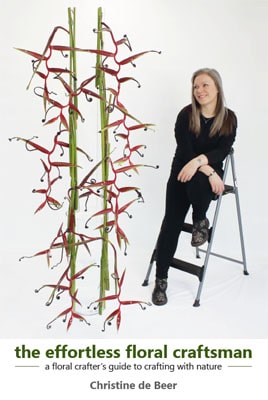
{"points": [[122, 127]]}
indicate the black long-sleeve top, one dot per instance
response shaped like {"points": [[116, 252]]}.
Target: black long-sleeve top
{"points": [[189, 146]]}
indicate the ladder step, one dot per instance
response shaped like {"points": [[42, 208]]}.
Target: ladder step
{"points": [[187, 227], [228, 189], [185, 266]]}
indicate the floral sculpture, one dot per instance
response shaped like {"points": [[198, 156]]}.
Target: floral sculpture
{"points": [[102, 181]]}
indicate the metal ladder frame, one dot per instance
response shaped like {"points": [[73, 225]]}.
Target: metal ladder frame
{"points": [[193, 269]]}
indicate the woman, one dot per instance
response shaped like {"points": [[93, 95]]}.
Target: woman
{"points": [[205, 131]]}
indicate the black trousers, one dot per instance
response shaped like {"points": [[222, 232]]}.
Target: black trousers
{"points": [[179, 198]]}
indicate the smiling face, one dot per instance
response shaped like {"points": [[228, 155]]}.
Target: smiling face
{"points": [[205, 92]]}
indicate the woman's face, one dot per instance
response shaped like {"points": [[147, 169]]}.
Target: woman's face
{"points": [[205, 91]]}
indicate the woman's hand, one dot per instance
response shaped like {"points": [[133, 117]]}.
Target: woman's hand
{"points": [[216, 183], [188, 171]]}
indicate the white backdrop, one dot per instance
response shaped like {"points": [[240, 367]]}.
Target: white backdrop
{"points": [[230, 36]]}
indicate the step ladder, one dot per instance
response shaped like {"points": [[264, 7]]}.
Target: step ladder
{"points": [[197, 270]]}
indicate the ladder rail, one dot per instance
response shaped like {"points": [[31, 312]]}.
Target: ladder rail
{"points": [[239, 217], [214, 223]]}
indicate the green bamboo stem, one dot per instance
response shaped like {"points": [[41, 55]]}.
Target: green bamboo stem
{"points": [[105, 149], [73, 204]]}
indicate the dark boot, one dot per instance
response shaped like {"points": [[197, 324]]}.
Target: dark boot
{"points": [[200, 232], [159, 297]]}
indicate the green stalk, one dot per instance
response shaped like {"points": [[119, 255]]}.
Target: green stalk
{"points": [[73, 205], [105, 150]]}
